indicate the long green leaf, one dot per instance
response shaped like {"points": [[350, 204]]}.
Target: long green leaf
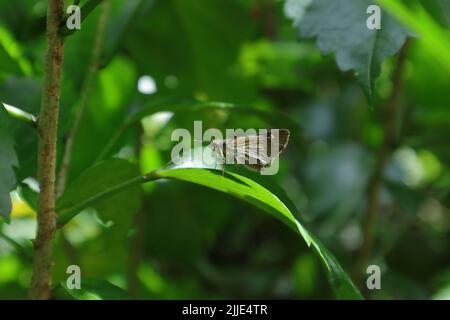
{"points": [[240, 187], [433, 37], [249, 191]]}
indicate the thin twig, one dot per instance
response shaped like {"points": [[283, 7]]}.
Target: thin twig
{"points": [[137, 248], [85, 95], [41, 279], [390, 123], [140, 220]]}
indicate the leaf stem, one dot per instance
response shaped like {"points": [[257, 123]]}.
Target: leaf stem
{"points": [[67, 214], [112, 142], [390, 124], [136, 248], [85, 94], [41, 279]]}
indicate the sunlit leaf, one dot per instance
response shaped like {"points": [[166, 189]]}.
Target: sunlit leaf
{"points": [[11, 59], [249, 191], [433, 37]]}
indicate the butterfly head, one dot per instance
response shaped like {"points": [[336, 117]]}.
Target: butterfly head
{"points": [[217, 146]]}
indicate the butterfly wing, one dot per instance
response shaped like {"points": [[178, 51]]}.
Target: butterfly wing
{"points": [[257, 151]]}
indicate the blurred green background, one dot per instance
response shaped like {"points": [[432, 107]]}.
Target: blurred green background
{"points": [[174, 240]]}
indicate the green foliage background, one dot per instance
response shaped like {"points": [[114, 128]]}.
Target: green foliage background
{"points": [[310, 66]]}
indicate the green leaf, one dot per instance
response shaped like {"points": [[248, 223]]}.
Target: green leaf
{"points": [[118, 208], [295, 9], [249, 191], [240, 187], [433, 37], [95, 289], [340, 28], [26, 138], [8, 160], [232, 184], [11, 59], [340, 281]]}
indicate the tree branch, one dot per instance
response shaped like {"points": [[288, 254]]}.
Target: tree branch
{"points": [[85, 94], [390, 124], [40, 287], [137, 248], [140, 220]]}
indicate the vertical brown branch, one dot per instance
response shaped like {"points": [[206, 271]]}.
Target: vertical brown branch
{"points": [[136, 249], [85, 94], [390, 126], [41, 280], [137, 241]]}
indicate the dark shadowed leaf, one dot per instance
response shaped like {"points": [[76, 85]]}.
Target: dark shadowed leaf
{"points": [[12, 91], [248, 190], [119, 24], [120, 207], [8, 160], [96, 289], [340, 28]]}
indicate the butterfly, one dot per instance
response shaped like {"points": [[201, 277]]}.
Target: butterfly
{"points": [[254, 151]]}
